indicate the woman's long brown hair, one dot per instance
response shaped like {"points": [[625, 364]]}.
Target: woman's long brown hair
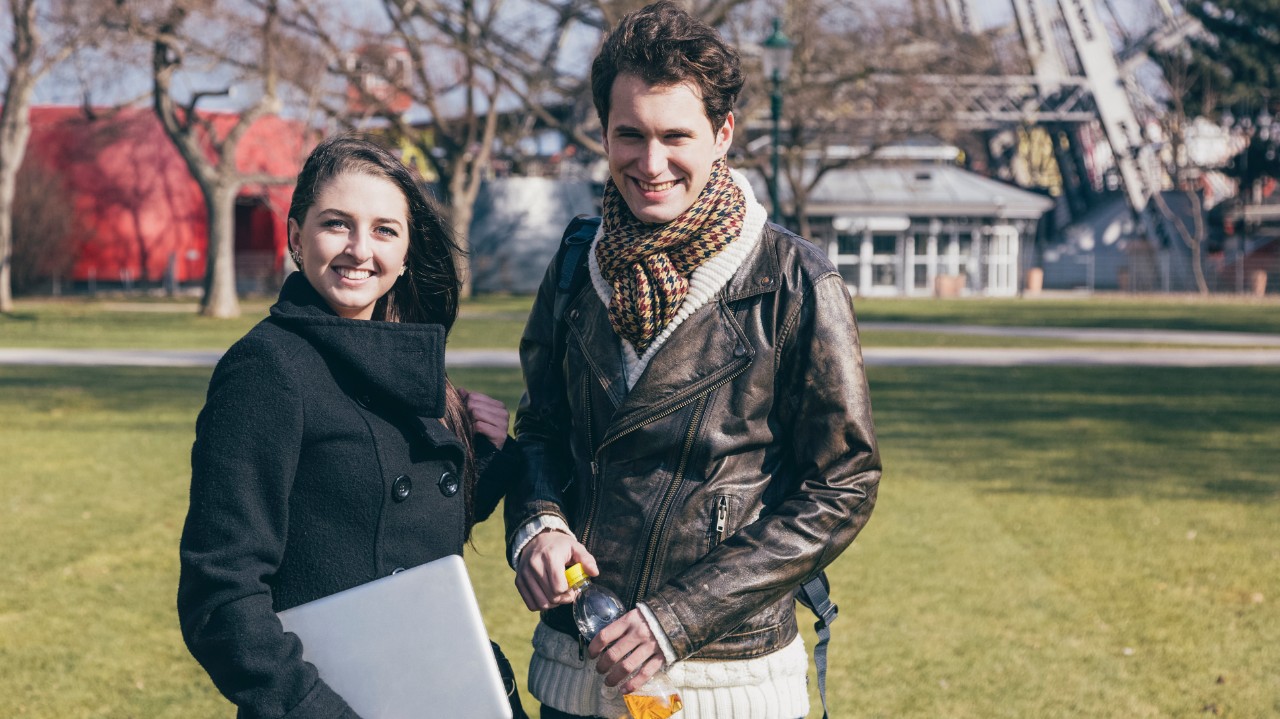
{"points": [[428, 291]]}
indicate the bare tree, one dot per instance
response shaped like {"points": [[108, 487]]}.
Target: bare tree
{"points": [[821, 87], [487, 75], [860, 78], [446, 45], [29, 59], [477, 65], [484, 73], [1181, 75], [232, 48]]}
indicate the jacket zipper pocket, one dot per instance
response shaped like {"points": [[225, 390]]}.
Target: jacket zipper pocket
{"points": [[722, 519]]}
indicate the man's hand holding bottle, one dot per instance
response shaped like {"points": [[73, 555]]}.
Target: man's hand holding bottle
{"points": [[626, 649]]}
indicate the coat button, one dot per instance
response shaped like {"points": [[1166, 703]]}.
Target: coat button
{"points": [[739, 351], [448, 484], [401, 488], [364, 400]]}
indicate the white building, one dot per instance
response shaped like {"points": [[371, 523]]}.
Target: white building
{"points": [[920, 228]]}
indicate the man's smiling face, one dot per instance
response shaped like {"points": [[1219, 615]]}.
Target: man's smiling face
{"points": [[661, 146]]}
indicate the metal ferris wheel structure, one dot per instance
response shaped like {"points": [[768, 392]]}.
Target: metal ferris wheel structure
{"points": [[1077, 76]]}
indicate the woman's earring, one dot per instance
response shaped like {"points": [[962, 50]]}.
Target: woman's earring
{"points": [[403, 269], [296, 257]]}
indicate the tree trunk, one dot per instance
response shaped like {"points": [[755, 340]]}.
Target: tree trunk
{"points": [[462, 205], [215, 172], [10, 153], [6, 240], [1197, 270], [800, 206], [1194, 243], [15, 130], [1197, 266], [220, 299], [462, 213]]}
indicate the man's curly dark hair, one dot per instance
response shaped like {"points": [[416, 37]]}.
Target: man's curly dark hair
{"points": [[664, 45]]}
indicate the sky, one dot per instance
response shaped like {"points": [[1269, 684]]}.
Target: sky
{"points": [[1135, 14], [66, 85]]}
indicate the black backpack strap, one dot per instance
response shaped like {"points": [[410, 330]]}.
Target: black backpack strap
{"points": [[573, 249], [571, 260], [815, 594]]}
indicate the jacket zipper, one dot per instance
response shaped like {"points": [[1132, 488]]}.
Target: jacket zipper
{"points": [[722, 517], [659, 524], [637, 424], [667, 498], [591, 452]]}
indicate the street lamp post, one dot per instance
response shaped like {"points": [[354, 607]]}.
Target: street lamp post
{"points": [[777, 61], [1242, 196]]}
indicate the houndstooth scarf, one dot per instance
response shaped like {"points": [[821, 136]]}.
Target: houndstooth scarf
{"points": [[649, 265]]}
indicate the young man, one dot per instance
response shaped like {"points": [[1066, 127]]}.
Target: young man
{"points": [[696, 424]]}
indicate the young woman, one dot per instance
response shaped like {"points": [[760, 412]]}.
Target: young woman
{"points": [[332, 450]]}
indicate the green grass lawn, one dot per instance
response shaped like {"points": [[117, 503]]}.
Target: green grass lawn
{"points": [[484, 322], [1049, 542]]}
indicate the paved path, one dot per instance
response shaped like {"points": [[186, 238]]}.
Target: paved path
{"points": [[1089, 334], [894, 356], [1077, 356], [1253, 349], [200, 358], [109, 358]]}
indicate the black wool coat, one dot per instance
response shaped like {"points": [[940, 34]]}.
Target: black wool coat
{"points": [[319, 464]]}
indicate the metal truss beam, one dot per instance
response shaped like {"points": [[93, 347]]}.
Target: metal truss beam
{"points": [[984, 102]]}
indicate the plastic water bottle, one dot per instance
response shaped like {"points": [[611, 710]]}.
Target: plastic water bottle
{"points": [[593, 608]]}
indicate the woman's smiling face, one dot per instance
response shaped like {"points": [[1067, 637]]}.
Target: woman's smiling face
{"points": [[354, 241]]}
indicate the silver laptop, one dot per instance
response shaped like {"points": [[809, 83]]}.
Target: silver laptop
{"points": [[405, 646]]}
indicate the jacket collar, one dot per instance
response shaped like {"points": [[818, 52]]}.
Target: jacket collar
{"points": [[759, 272], [705, 349], [399, 361], [709, 347]]}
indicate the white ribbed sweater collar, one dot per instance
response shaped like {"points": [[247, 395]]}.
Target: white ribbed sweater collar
{"points": [[705, 283]]}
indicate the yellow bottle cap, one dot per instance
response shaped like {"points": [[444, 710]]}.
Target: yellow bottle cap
{"points": [[575, 574]]}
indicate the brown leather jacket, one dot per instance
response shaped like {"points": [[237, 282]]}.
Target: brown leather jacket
{"points": [[741, 463]]}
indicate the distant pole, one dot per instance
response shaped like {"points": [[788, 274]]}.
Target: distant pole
{"points": [[1242, 239], [171, 275], [777, 59], [776, 107]]}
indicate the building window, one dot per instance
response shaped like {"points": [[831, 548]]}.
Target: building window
{"points": [[884, 261]]}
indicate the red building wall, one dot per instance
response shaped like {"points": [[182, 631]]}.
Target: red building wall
{"points": [[135, 203]]}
